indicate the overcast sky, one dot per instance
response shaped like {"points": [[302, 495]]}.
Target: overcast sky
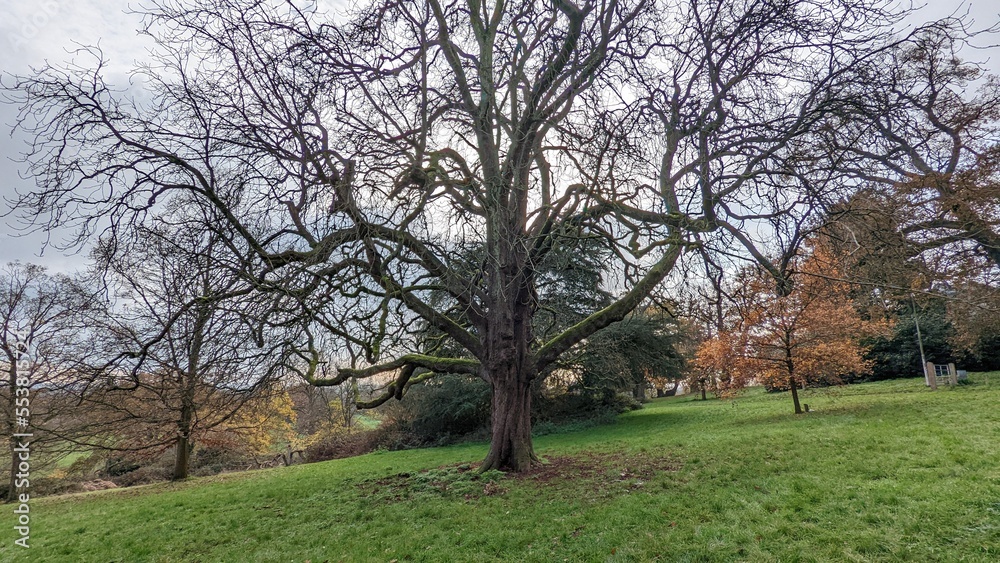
{"points": [[33, 32]]}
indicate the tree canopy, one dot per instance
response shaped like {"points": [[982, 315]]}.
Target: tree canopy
{"points": [[812, 336], [352, 163]]}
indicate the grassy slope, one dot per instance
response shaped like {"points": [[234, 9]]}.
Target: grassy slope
{"points": [[878, 472]]}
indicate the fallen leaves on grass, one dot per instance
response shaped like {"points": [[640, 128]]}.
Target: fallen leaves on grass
{"points": [[601, 473], [462, 481]]}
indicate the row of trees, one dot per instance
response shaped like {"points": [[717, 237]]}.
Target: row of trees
{"points": [[137, 357], [198, 378], [148, 351], [349, 168]]}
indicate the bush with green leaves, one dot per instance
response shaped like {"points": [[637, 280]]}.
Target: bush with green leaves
{"points": [[455, 407], [442, 410]]}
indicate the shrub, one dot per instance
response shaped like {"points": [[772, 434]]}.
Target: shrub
{"points": [[143, 476], [342, 445], [456, 408], [443, 410], [43, 486], [577, 406], [214, 460]]}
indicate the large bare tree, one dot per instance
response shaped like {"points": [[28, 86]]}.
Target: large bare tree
{"points": [[361, 160]]}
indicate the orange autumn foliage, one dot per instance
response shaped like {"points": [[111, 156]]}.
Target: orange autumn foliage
{"points": [[809, 337]]}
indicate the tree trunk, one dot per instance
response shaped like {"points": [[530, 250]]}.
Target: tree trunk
{"points": [[182, 458], [790, 366], [510, 443], [509, 365], [703, 397], [795, 394], [189, 387], [183, 445], [668, 392]]}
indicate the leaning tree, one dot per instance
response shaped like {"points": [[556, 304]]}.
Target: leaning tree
{"points": [[362, 158]]}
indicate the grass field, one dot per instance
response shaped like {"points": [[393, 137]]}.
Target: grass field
{"points": [[876, 472]]}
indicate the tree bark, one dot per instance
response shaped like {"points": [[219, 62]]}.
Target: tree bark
{"points": [[510, 443], [182, 458], [790, 366], [11, 489], [795, 394], [189, 386]]}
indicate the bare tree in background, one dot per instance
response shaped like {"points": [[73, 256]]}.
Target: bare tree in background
{"points": [[360, 160], [198, 352], [43, 345]]}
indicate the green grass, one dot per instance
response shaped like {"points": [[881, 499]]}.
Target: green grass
{"points": [[66, 461], [877, 472], [366, 422]]}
